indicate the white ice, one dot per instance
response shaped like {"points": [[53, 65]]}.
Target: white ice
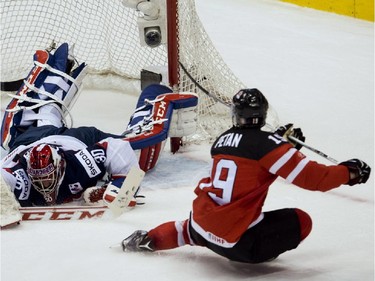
{"points": [[317, 70]]}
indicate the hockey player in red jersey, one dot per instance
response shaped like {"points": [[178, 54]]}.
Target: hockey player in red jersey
{"points": [[227, 214]]}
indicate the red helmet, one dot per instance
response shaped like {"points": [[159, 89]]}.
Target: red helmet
{"points": [[46, 168]]}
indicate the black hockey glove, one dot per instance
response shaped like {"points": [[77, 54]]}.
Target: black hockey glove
{"points": [[359, 171], [287, 130]]}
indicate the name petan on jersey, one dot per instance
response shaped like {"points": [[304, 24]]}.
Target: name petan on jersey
{"points": [[230, 139], [88, 163]]}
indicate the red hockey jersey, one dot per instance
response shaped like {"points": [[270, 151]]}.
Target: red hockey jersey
{"points": [[245, 163]]}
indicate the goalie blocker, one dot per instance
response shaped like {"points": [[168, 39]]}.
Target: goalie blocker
{"points": [[169, 115]]}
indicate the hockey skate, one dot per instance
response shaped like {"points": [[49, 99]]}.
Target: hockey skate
{"points": [[138, 242]]}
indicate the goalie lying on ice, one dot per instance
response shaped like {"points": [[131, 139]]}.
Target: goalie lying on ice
{"points": [[50, 164]]}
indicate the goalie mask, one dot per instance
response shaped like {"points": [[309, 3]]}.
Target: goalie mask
{"points": [[46, 168], [249, 109]]}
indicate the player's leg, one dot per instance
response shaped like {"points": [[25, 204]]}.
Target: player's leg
{"points": [[33, 134], [88, 135], [278, 232], [166, 236]]}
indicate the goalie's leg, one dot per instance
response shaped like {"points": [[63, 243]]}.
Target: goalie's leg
{"points": [[45, 97]]}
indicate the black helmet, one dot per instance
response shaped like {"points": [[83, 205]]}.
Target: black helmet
{"points": [[249, 109]]}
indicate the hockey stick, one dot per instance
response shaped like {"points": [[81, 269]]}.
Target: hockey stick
{"points": [[313, 150], [125, 194], [201, 87]]}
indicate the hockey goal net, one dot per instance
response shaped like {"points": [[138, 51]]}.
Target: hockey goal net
{"points": [[109, 37]]}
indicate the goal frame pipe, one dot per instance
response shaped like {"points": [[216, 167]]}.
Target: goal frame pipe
{"points": [[172, 44]]}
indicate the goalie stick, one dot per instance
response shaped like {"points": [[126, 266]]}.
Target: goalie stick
{"points": [[64, 213], [67, 212], [124, 194]]}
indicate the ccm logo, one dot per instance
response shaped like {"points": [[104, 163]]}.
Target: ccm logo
{"points": [[160, 113], [61, 215]]}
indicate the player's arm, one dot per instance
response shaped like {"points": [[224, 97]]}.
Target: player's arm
{"points": [[288, 162], [119, 155]]}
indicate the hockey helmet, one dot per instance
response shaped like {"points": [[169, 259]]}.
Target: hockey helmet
{"points": [[46, 169], [249, 109]]}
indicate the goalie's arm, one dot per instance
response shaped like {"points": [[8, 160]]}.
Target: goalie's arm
{"points": [[17, 181], [120, 157], [120, 160]]}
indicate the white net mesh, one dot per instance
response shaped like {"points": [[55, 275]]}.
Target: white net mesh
{"points": [[105, 36], [104, 33], [206, 67]]}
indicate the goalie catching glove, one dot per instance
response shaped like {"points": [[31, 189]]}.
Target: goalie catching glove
{"points": [[287, 131]]}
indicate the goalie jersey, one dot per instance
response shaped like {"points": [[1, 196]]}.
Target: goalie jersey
{"points": [[245, 163], [85, 166]]}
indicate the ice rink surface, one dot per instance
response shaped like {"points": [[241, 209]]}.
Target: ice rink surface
{"points": [[317, 70]]}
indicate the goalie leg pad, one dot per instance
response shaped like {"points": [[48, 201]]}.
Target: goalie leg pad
{"points": [[162, 108], [50, 85], [149, 156], [176, 113], [178, 116], [183, 123], [13, 120]]}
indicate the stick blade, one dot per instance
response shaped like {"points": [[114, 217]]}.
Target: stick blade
{"points": [[126, 193]]}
